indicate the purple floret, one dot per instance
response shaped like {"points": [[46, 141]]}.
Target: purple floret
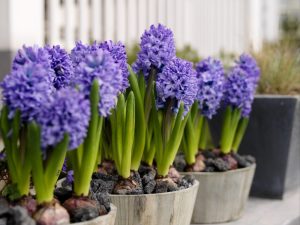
{"points": [[239, 91], [157, 49], [177, 82], [118, 52], [26, 88], [210, 73], [32, 54], [100, 65], [248, 64], [65, 112], [62, 65]]}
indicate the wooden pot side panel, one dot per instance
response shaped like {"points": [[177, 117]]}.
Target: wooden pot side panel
{"points": [[222, 196], [174, 208]]}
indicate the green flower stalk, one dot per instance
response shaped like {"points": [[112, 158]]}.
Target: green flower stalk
{"points": [[229, 128], [143, 105], [193, 136], [176, 89], [123, 131], [149, 61], [18, 158], [239, 95], [84, 158], [168, 131]]}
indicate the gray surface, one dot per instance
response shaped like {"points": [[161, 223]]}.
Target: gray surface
{"points": [[5, 62], [272, 212], [293, 168]]}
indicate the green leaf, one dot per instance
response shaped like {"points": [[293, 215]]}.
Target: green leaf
{"points": [[55, 162], [128, 136], [81, 186], [242, 127], [140, 131], [33, 145]]}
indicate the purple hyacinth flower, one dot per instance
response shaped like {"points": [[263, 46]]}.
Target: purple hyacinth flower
{"points": [[211, 86], [118, 52], [32, 54], [248, 64], [26, 88], [70, 177], [239, 91], [2, 156], [67, 111], [62, 65], [100, 65], [157, 49], [178, 82]]}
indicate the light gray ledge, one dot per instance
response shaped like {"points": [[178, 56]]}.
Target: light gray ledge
{"points": [[271, 212]]}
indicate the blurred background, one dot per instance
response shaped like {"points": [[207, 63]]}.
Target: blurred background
{"points": [[270, 29]]}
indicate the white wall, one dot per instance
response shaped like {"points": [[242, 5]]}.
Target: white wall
{"points": [[207, 25], [21, 22]]}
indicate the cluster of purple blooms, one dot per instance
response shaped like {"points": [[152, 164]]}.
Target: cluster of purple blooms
{"points": [[176, 78], [241, 84], [211, 75], [51, 87], [157, 50], [177, 82]]}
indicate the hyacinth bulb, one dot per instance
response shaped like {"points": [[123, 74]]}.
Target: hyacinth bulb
{"points": [[52, 214]]}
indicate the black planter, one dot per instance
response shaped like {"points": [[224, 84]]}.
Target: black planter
{"points": [[273, 138]]}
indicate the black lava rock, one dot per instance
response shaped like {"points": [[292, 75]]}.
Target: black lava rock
{"points": [[102, 198], [250, 159], [165, 185], [179, 163], [84, 214], [221, 165], [105, 177], [15, 216], [136, 177], [186, 182], [149, 187], [208, 154], [62, 193], [242, 162], [99, 185]]}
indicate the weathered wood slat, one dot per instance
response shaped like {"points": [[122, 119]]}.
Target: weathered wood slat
{"points": [[172, 208], [222, 195]]}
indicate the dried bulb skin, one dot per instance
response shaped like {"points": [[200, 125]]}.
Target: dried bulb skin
{"points": [[52, 214]]}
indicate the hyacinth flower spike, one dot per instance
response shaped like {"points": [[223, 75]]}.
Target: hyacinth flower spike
{"points": [[248, 64], [176, 88], [211, 79], [157, 49], [61, 125], [100, 79], [24, 91], [238, 97]]}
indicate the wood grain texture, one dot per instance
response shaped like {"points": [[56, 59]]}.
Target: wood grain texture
{"points": [[222, 195], [172, 208], [108, 219]]}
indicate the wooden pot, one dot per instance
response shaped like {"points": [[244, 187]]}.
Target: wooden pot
{"points": [[221, 195], [108, 219], [171, 208]]}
